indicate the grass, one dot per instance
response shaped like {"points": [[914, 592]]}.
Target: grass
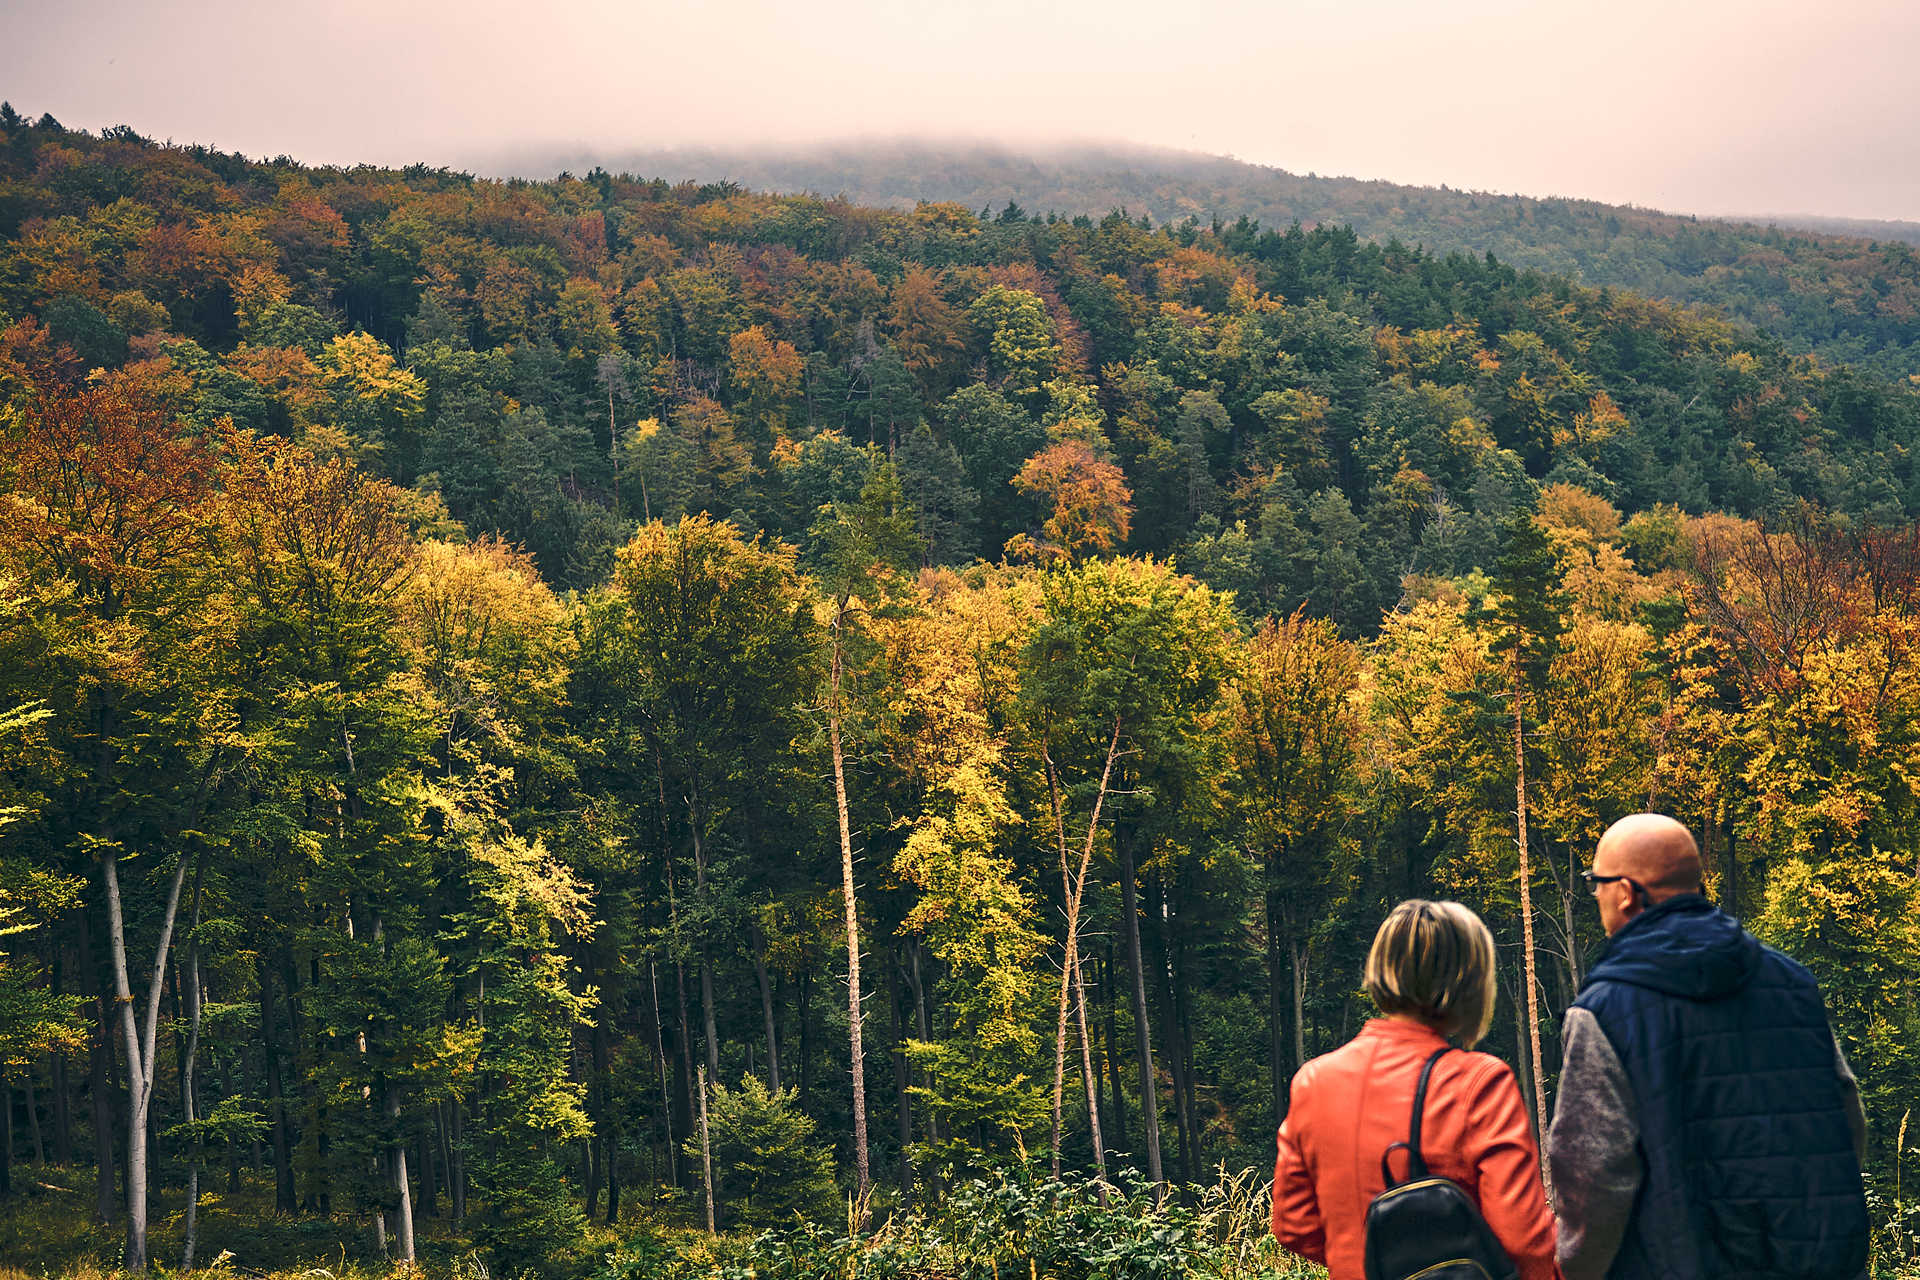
{"points": [[1016, 1225], [47, 1232]]}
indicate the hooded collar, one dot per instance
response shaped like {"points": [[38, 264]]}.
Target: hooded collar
{"points": [[1685, 946]]}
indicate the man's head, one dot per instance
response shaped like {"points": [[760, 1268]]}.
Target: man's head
{"points": [[1641, 861]]}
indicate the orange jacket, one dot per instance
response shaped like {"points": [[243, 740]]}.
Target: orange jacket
{"points": [[1350, 1105]]}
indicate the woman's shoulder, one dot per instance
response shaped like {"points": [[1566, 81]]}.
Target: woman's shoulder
{"points": [[1349, 1058], [1478, 1073]]}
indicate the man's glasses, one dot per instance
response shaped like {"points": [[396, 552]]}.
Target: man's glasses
{"points": [[1594, 881]]}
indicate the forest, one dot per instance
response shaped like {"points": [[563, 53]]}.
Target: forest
{"points": [[1843, 288], [542, 719]]}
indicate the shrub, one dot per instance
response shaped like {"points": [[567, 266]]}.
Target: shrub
{"points": [[767, 1165]]}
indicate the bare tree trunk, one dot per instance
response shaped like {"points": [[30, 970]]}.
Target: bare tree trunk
{"points": [[660, 1051], [139, 1045], [1526, 915], [1089, 1082], [706, 1152], [189, 1064], [863, 1185], [1071, 887], [1142, 1030]]}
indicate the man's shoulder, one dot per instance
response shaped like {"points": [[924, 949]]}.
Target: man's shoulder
{"points": [[1784, 970]]}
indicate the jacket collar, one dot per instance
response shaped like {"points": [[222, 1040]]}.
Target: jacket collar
{"points": [[1399, 1029]]}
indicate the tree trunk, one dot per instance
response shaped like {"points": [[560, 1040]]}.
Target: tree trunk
{"points": [[923, 1023], [1526, 916], [605, 1129], [863, 1180], [1089, 1081], [1117, 1089], [402, 1184], [1520, 1048], [709, 1024], [139, 1046], [1183, 1024], [1142, 1031], [1170, 1026], [33, 1117], [457, 1168], [189, 1063], [283, 1191], [1298, 949], [708, 1020], [99, 1089], [706, 1153], [759, 943], [429, 1173], [902, 1100], [660, 1053], [1278, 1063], [62, 1108], [57, 1080], [596, 1106], [806, 1038], [1071, 888], [685, 1075]]}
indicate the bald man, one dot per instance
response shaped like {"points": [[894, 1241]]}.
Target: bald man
{"points": [[1707, 1124]]}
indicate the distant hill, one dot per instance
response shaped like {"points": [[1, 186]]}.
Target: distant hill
{"points": [[1846, 289]]}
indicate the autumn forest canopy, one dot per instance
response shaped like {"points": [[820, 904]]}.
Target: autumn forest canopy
{"points": [[501, 681]]}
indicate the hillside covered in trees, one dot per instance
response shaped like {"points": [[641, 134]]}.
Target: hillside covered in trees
{"points": [[499, 679], [1819, 284]]}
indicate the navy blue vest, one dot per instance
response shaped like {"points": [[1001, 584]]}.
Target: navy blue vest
{"points": [[1750, 1169]]}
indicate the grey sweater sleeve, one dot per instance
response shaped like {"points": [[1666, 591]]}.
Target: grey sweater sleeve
{"points": [[1593, 1150]]}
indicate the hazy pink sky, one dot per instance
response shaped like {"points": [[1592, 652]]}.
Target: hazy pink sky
{"points": [[1709, 106]]}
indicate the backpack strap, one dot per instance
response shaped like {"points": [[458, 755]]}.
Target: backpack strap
{"points": [[1416, 1163]]}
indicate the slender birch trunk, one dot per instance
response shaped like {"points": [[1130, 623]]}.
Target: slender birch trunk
{"points": [[706, 1152], [139, 1042], [189, 1065], [863, 1174]]}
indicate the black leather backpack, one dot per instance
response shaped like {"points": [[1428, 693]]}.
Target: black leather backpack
{"points": [[1427, 1226]]}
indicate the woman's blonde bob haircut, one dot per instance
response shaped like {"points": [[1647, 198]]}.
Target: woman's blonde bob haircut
{"points": [[1434, 961]]}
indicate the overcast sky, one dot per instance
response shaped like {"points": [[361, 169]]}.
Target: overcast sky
{"points": [[1709, 106]]}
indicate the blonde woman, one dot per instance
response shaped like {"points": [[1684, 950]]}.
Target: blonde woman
{"points": [[1430, 972]]}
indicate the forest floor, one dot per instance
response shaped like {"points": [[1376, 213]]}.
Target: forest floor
{"points": [[47, 1232]]}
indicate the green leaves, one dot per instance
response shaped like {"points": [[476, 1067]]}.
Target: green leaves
{"points": [[769, 1168]]}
